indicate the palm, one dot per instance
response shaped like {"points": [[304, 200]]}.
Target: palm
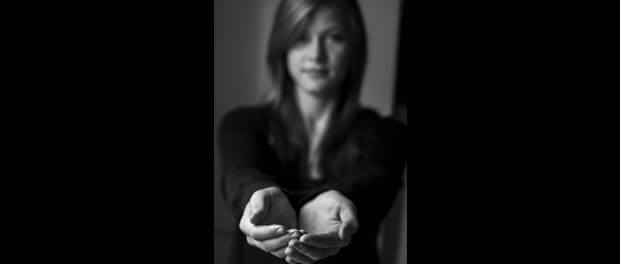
{"points": [[329, 220], [318, 217], [279, 211]]}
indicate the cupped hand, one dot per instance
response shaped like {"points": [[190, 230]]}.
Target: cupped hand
{"points": [[269, 221], [329, 220]]}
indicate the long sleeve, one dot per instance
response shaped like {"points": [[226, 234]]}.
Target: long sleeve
{"points": [[375, 180], [242, 147]]}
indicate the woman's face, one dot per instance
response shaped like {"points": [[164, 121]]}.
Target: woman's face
{"points": [[318, 61]]}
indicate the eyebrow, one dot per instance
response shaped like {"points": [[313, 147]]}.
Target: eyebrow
{"points": [[331, 28], [336, 28]]}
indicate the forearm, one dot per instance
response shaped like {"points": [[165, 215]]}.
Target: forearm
{"points": [[238, 185], [242, 149], [372, 191], [373, 182]]}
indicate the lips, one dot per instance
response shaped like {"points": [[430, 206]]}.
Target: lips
{"points": [[315, 72]]}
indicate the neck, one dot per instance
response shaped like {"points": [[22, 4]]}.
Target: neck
{"points": [[313, 107]]}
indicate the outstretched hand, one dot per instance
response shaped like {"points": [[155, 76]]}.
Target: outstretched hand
{"points": [[266, 218], [329, 220]]}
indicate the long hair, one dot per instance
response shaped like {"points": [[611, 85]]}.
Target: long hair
{"points": [[291, 20]]}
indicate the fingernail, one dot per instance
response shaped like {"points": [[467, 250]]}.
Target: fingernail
{"points": [[290, 231], [279, 230]]}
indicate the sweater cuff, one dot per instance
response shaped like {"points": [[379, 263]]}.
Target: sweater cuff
{"points": [[248, 190]]}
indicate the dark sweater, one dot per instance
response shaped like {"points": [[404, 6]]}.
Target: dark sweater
{"points": [[364, 162]]}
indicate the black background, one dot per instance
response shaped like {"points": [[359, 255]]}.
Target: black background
{"points": [[108, 137]]}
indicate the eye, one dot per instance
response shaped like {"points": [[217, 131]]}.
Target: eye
{"points": [[303, 38], [337, 37]]}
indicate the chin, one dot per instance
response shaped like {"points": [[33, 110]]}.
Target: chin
{"points": [[315, 88]]}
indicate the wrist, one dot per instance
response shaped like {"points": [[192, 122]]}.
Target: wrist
{"points": [[332, 193], [269, 190]]}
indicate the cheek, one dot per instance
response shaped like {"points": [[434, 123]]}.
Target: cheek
{"points": [[293, 63], [340, 60]]}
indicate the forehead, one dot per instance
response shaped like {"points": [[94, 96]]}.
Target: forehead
{"points": [[327, 17]]}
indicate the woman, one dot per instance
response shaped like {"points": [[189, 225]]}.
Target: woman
{"points": [[310, 174]]}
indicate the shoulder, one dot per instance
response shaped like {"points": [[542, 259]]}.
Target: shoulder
{"points": [[245, 116], [374, 130], [374, 124]]}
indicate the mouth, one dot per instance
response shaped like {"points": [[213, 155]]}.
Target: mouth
{"points": [[315, 72]]}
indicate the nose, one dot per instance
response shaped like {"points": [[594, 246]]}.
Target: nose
{"points": [[316, 50]]}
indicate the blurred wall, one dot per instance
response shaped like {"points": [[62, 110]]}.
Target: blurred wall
{"points": [[382, 21], [236, 33], [240, 35]]}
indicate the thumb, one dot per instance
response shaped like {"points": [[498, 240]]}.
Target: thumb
{"points": [[349, 225], [259, 207]]}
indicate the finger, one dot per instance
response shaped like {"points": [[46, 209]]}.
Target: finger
{"points": [[294, 255], [259, 206], [274, 244], [250, 241], [290, 260], [279, 252], [262, 232], [324, 240], [312, 252], [259, 232], [349, 223]]}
